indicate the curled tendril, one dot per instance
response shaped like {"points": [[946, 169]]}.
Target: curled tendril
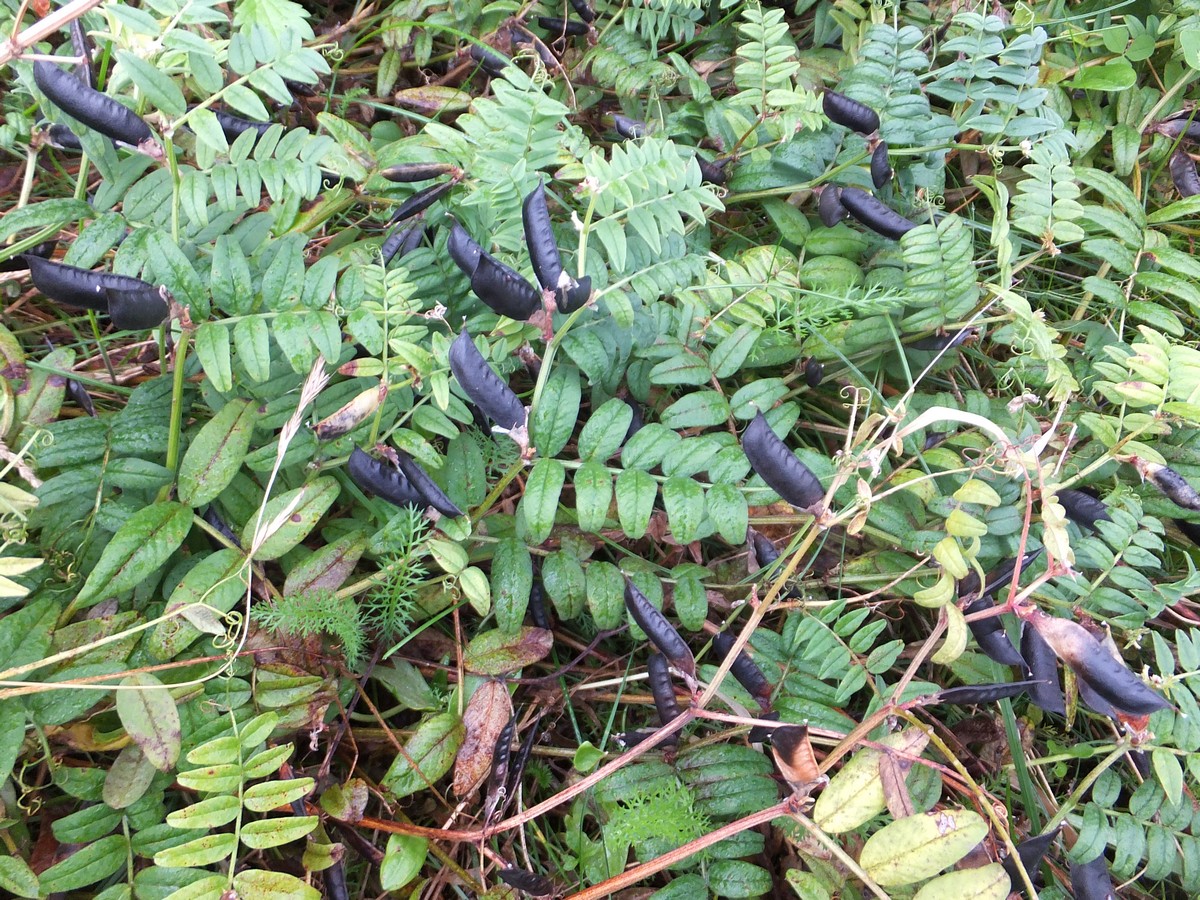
{"points": [[334, 52], [43, 438]]}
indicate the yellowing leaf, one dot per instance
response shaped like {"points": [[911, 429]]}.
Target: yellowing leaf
{"points": [[989, 882], [956, 637], [855, 794], [918, 847], [151, 718]]}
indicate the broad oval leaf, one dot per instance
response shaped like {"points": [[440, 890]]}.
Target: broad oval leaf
{"points": [[540, 503], [211, 813], [552, 421], [289, 518], [141, 545], [151, 718], [917, 847], [203, 851], [428, 755], [988, 882], [86, 865], [216, 454], [511, 583], [636, 491], [855, 794], [274, 794], [128, 779], [212, 349], [17, 878], [264, 833], [255, 884], [499, 652]]}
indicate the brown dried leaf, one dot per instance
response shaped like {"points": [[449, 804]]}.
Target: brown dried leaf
{"points": [[486, 715], [892, 772]]}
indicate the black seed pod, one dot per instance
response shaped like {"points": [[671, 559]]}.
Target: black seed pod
{"points": [[426, 486], [233, 125], [814, 372], [83, 46], [17, 263], [562, 27], [661, 632], [980, 693], [539, 238], [991, 637], [503, 289], [1183, 173], [63, 138], [482, 385], [220, 526], [574, 297], [1083, 509], [401, 241], [463, 250], [765, 551], [1030, 851], [406, 173], [527, 882], [138, 308], [516, 766], [851, 114], [630, 129], [829, 206], [759, 733], [1173, 485], [1091, 881], [999, 577], [870, 211], [663, 691], [501, 754], [421, 201], [537, 606], [1190, 530], [1043, 666], [1179, 128], [1094, 701], [584, 10], [80, 397], [881, 170], [744, 669], [491, 62], [97, 111], [70, 284], [712, 172], [1107, 676], [778, 466], [382, 480]]}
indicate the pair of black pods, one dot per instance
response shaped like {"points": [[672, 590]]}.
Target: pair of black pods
{"points": [[405, 484]]}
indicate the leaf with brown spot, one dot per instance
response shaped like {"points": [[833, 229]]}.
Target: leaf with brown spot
{"points": [[151, 718], [487, 713], [499, 653], [327, 568]]}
